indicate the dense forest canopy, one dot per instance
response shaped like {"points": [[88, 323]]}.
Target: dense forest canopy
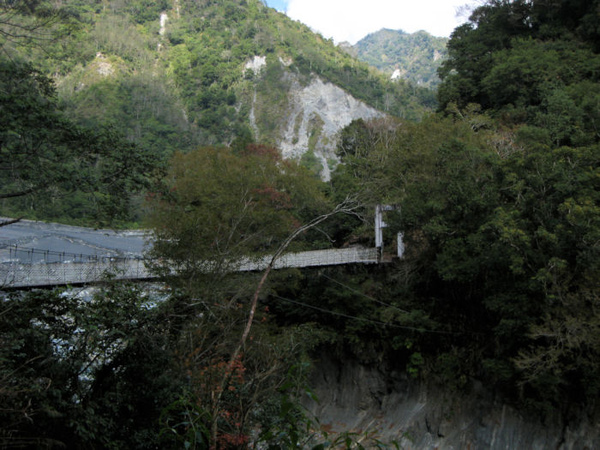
{"points": [[52, 167], [498, 202]]}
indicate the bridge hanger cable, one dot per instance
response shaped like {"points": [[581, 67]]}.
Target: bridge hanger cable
{"points": [[350, 288], [376, 322]]}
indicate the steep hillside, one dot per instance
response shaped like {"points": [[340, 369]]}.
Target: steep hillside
{"points": [[413, 57], [175, 75]]}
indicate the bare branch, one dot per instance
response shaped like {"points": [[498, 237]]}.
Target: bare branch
{"points": [[349, 206]]}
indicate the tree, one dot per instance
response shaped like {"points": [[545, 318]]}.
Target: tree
{"points": [[512, 54], [501, 245], [491, 28], [44, 156], [223, 209], [220, 207]]}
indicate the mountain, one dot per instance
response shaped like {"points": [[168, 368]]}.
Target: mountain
{"points": [[176, 75], [413, 57]]}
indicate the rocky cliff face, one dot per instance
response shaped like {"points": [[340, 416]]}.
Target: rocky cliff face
{"points": [[306, 115], [315, 115], [396, 409]]}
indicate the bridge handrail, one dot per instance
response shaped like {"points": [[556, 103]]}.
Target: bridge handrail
{"points": [[15, 249]]}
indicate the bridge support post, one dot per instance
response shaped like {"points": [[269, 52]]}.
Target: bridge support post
{"points": [[379, 226]]}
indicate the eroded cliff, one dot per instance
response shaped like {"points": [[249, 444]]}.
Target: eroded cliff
{"points": [[392, 407]]}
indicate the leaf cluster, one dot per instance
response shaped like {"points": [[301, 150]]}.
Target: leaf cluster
{"points": [[528, 63], [80, 370], [124, 366]]}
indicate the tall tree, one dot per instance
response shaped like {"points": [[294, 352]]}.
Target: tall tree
{"points": [[220, 210]]}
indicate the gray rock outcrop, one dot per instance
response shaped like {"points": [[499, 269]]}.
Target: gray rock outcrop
{"points": [[394, 408], [316, 114]]}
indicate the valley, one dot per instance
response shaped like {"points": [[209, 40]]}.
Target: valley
{"points": [[230, 132]]}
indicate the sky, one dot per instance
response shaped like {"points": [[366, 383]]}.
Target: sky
{"points": [[351, 20]]}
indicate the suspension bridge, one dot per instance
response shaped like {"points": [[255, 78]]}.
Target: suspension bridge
{"points": [[35, 254], [60, 268]]}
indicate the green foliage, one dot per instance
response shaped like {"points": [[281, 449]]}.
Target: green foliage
{"points": [[174, 88], [184, 424], [141, 367], [528, 64], [28, 23], [186, 85], [500, 233], [516, 57], [284, 423], [291, 426], [146, 79], [354, 141], [498, 205], [78, 371], [224, 402], [220, 205], [564, 346], [138, 105], [310, 161], [45, 157]]}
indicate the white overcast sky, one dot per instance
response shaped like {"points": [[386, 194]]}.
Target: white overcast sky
{"points": [[351, 20]]}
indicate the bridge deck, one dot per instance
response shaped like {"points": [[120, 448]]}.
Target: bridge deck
{"points": [[17, 275]]}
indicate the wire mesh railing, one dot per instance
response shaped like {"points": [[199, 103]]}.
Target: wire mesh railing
{"points": [[34, 255], [29, 267], [15, 274], [61, 268]]}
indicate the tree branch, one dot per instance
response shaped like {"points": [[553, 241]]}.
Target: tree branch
{"points": [[348, 206]]}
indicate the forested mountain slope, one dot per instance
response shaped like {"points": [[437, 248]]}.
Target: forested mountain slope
{"points": [[169, 76], [174, 75], [414, 57]]}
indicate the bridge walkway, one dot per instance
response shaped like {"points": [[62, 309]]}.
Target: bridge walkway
{"points": [[77, 269]]}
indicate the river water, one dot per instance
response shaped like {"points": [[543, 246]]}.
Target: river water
{"points": [[32, 242]]}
